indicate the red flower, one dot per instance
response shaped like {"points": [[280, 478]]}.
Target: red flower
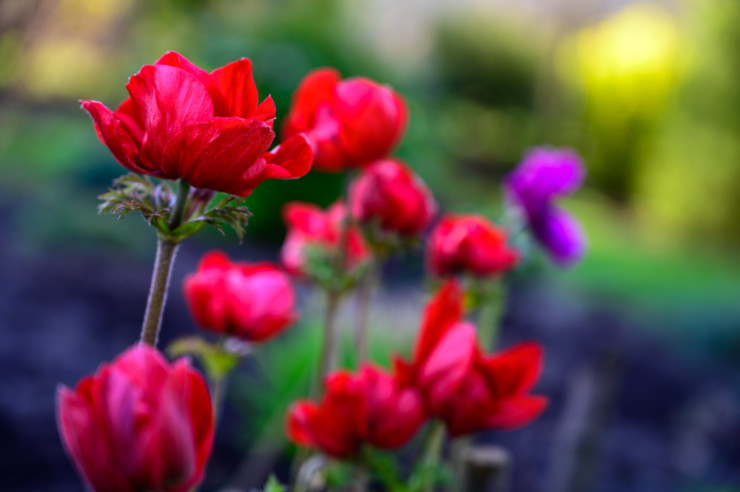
{"points": [[254, 302], [468, 390], [468, 244], [368, 407], [207, 129], [138, 424], [349, 123], [392, 194], [311, 227]]}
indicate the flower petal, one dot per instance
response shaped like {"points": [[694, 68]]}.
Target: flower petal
{"points": [[443, 311], [222, 154], [113, 133], [561, 235], [169, 99], [292, 159], [175, 59], [517, 412], [446, 367], [236, 83], [516, 370], [315, 90]]}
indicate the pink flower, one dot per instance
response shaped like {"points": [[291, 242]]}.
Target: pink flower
{"points": [[349, 122], [207, 129], [138, 424], [254, 302]]}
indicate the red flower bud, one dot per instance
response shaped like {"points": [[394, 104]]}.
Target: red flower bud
{"points": [[468, 390], [138, 424], [368, 407], [349, 123], [254, 302], [468, 244], [311, 227], [207, 129], [392, 194]]}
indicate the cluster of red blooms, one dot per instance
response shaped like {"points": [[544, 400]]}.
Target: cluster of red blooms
{"points": [[449, 378], [141, 423]]}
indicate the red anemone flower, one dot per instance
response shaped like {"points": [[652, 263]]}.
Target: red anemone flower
{"points": [[311, 227], [467, 389], [254, 302], [469, 244], [181, 122], [390, 193], [350, 122], [138, 424], [368, 407]]}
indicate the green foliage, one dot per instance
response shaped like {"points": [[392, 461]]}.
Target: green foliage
{"points": [[273, 485], [156, 203]]}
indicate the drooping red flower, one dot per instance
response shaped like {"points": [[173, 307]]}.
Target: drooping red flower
{"points": [[465, 388], [349, 123], [208, 129], [356, 409], [311, 227], [468, 244], [254, 302], [390, 193], [138, 424]]}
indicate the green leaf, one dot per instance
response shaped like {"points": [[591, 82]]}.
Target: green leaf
{"points": [[273, 485]]}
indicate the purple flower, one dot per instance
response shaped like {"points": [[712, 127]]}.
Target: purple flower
{"points": [[543, 175]]}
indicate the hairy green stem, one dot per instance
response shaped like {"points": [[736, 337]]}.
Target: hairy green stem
{"points": [[166, 252], [163, 262]]}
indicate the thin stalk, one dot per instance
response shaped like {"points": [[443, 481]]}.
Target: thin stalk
{"points": [[218, 393], [364, 300], [432, 452], [490, 314], [330, 347], [459, 449], [166, 252], [163, 262]]}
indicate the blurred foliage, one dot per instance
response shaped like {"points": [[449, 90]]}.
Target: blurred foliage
{"points": [[648, 95], [626, 69]]}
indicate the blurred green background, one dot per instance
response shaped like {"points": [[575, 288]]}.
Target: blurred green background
{"points": [[647, 92]]}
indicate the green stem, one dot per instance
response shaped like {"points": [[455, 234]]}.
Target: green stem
{"points": [[163, 262], [330, 346], [458, 450], [432, 452], [166, 252], [490, 314], [364, 300], [183, 193]]}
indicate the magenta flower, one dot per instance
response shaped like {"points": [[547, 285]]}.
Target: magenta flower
{"points": [[544, 175]]}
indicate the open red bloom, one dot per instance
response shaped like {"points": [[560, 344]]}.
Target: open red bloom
{"points": [[349, 123], [254, 302], [311, 227], [468, 390], [138, 424], [390, 193], [181, 122], [468, 244], [368, 407]]}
